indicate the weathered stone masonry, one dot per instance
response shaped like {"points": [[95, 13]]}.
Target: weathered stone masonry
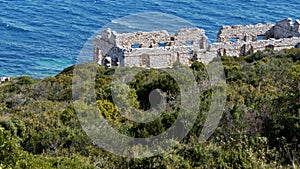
{"points": [[159, 49]]}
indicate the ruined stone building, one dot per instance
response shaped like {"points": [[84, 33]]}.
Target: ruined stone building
{"points": [[4, 79], [159, 49]]}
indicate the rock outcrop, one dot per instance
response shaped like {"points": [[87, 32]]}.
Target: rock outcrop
{"points": [[284, 29]]}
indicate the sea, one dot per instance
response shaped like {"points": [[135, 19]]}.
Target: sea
{"points": [[40, 38]]}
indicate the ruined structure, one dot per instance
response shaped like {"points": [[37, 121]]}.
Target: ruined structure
{"points": [[4, 79], [155, 49], [159, 49]]}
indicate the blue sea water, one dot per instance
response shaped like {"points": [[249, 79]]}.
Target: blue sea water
{"points": [[41, 38]]}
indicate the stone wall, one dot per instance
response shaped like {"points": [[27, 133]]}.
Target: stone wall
{"points": [[103, 43], [196, 36], [243, 33], [244, 48], [159, 57], [148, 49], [145, 39]]}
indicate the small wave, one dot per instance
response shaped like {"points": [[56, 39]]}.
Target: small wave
{"points": [[20, 29], [13, 26], [123, 24], [121, 27]]}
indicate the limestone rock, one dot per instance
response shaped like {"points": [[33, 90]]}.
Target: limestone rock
{"points": [[284, 29]]}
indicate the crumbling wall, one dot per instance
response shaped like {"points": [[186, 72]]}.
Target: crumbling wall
{"points": [[116, 56], [159, 57], [158, 49], [243, 33], [155, 58], [148, 49], [245, 48], [145, 39], [196, 37], [103, 43]]}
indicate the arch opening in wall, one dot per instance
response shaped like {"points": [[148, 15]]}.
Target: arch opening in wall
{"points": [[195, 57], [189, 43], [115, 62], [246, 49], [222, 52], [260, 37], [107, 61], [168, 44], [270, 47], [136, 45], [234, 39], [161, 44]]}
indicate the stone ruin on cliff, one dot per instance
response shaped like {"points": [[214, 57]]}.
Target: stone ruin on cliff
{"points": [[159, 49]]}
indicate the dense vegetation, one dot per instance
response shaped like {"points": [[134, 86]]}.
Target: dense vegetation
{"points": [[260, 127]]}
